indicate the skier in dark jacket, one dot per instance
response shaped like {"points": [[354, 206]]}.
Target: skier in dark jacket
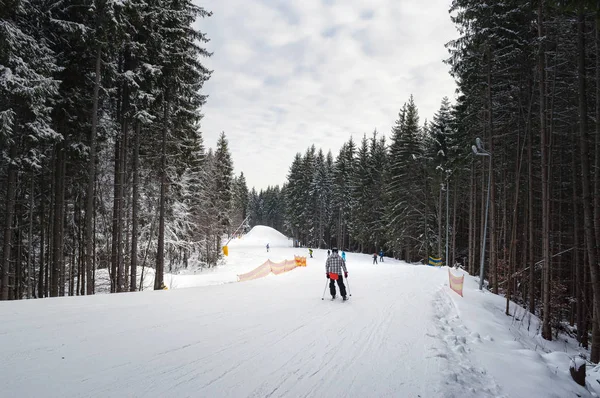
{"points": [[381, 255], [374, 258], [333, 270]]}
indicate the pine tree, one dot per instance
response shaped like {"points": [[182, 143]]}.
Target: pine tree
{"points": [[308, 200], [239, 200], [361, 195], [407, 211], [343, 177], [294, 197], [223, 177], [378, 172], [178, 51]]}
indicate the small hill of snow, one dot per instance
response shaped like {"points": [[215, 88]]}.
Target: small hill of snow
{"points": [[260, 235]]}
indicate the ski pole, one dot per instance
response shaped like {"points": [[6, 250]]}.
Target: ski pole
{"points": [[348, 286], [326, 283]]}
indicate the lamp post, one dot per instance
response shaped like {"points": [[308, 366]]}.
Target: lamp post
{"points": [[479, 151], [447, 216]]}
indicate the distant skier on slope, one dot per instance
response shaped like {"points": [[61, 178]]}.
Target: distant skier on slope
{"points": [[374, 258], [381, 255], [310, 251], [267, 247], [328, 252], [344, 256], [333, 271]]}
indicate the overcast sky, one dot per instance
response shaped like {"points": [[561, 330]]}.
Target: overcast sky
{"points": [[292, 73]]}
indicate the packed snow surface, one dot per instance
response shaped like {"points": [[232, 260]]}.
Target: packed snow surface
{"points": [[403, 333]]}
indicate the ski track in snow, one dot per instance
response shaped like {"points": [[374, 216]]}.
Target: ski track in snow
{"points": [[273, 337]]}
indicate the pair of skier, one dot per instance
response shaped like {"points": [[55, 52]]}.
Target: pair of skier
{"points": [[333, 271], [380, 257]]}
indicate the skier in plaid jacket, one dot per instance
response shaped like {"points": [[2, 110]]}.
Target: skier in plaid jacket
{"points": [[333, 269]]}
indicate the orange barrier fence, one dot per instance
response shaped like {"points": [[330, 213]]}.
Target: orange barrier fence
{"points": [[456, 283], [300, 261], [256, 273], [275, 268]]}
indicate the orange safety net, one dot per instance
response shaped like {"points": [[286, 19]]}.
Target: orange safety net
{"points": [[259, 272], [456, 283], [290, 265], [277, 268], [267, 268], [300, 261]]}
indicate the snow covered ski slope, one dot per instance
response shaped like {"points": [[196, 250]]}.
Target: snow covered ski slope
{"points": [[403, 333]]}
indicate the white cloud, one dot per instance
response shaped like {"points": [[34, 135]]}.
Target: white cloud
{"points": [[290, 74]]}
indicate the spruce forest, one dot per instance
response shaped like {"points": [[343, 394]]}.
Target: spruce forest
{"points": [[528, 76], [103, 167]]}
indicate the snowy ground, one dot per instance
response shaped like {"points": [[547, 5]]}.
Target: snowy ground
{"points": [[403, 333]]}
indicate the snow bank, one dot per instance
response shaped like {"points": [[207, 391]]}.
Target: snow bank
{"points": [[512, 350]]}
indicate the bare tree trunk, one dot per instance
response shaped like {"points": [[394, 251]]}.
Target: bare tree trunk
{"points": [[586, 293], [515, 220], [121, 212], [30, 271], [94, 251], [472, 211], [89, 201], [81, 248], [63, 268], [160, 253], [530, 242], [579, 266], [455, 205], [597, 141], [72, 268], [114, 258], [42, 215], [50, 250], [439, 248], [546, 329], [18, 276], [136, 195], [482, 218], [11, 182], [59, 198], [504, 228], [492, 210]]}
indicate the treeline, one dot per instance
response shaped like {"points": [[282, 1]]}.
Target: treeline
{"points": [[377, 195], [102, 161], [528, 75]]}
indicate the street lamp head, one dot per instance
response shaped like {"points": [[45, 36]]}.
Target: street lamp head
{"points": [[479, 143]]}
